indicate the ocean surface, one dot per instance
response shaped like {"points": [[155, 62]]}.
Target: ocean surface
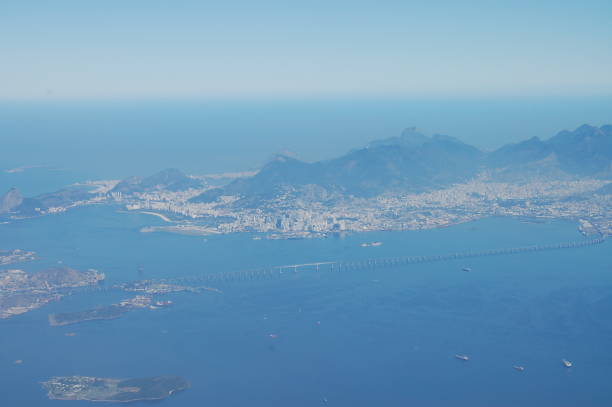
{"points": [[386, 337], [75, 141]]}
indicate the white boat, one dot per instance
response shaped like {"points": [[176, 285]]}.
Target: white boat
{"points": [[566, 363], [462, 357], [519, 368]]}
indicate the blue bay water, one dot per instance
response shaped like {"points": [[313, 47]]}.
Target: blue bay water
{"points": [[386, 337]]}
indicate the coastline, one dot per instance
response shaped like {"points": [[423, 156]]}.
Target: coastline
{"points": [[159, 215]]}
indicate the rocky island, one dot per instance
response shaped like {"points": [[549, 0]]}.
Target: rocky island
{"points": [[113, 390]]}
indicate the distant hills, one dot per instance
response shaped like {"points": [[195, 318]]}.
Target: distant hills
{"points": [[166, 180], [411, 162], [169, 179], [32, 206], [416, 162], [584, 152]]}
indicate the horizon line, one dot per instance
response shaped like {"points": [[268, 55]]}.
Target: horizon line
{"points": [[313, 98]]}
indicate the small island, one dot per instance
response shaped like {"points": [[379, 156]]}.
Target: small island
{"points": [[154, 287], [113, 390], [69, 318], [150, 287], [15, 256], [109, 312]]}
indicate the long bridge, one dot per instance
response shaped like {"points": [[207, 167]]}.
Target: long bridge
{"points": [[371, 264]]}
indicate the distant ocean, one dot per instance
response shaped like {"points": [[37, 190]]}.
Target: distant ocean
{"points": [[369, 338], [74, 141]]}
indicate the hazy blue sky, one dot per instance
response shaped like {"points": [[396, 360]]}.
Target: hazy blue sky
{"points": [[233, 48]]}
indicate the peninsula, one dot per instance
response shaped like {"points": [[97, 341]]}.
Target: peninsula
{"points": [[21, 292]]}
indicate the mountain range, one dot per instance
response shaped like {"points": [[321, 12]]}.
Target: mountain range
{"points": [[411, 162], [416, 162]]}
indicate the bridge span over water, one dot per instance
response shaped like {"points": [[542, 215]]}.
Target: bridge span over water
{"points": [[372, 263]]}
